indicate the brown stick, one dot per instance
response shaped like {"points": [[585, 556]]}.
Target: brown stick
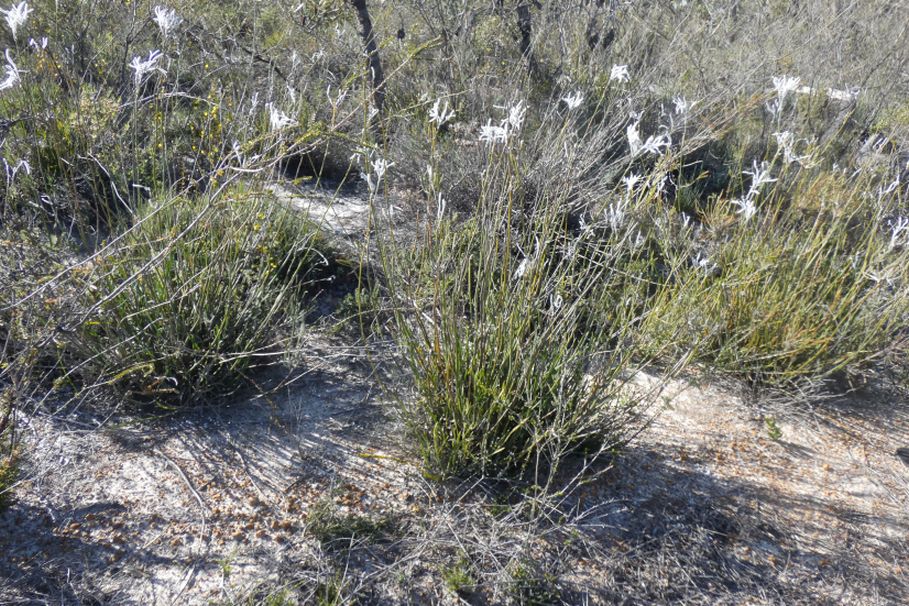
{"points": [[525, 24], [376, 74]]}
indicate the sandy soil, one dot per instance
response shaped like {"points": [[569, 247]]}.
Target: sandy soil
{"points": [[203, 507]]}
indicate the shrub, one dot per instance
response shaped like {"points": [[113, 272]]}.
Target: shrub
{"points": [[195, 295], [808, 287], [493, 320]]}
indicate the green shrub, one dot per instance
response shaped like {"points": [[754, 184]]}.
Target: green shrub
{"points": [[195, 295], [493, 319], [807, 288]]}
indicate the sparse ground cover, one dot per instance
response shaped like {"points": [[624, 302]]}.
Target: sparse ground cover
{"points": [[442, 302]]}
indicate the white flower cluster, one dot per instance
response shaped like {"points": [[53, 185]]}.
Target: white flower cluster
{"points": [[491, 134], [760, 174], [786, 142], [143, 67], [16, 16], [440, 113], [167, 20], [277, 119], [12, 73], [899, 232], [655, 144]]}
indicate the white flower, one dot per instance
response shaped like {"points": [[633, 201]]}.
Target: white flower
{"points": [[380, 166], [759, 176], [615, 215], [167, 19], [786, 142], [890, 188], [682, 106], [556, 301], [703, 262], [335, 102], [39, 44], [785, 85], [634, 138], [619, 72], [491, 134], [441, 203], [850, 94], [655, 142], [573, 100], [12, 170], [515, 118], [509, 125], [16, 15], [277, 119], [144, 67], [439, 114], [12, 73], [521, 269], [897, 227], [631, 181], [746, 207]]}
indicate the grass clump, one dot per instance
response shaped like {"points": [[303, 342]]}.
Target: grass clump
{"points": [[330, 525], [807, 288], [493, 319], [198, 292], [457, 576]]}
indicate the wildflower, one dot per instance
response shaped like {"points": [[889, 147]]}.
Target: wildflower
{"points": [[897, 227], [508, 126], [515, 118], [491, 134], [849, 94], [619, 72], [573, 100], [890, 188], [277, 119], [662, 183], [167, 19], [380, 166], [439, 114], [12, 170], [631, 181], [368, 178], [615, 215], [655, 142], [441, 203], [703, 262], [634, 138], [336, 101], [682, 106], [39, 44], [786, 142], [556, 301], [144, 67], [12, 73], [521, 269], [785, 85], [759, 176], [746, 207], [16, 15]]}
